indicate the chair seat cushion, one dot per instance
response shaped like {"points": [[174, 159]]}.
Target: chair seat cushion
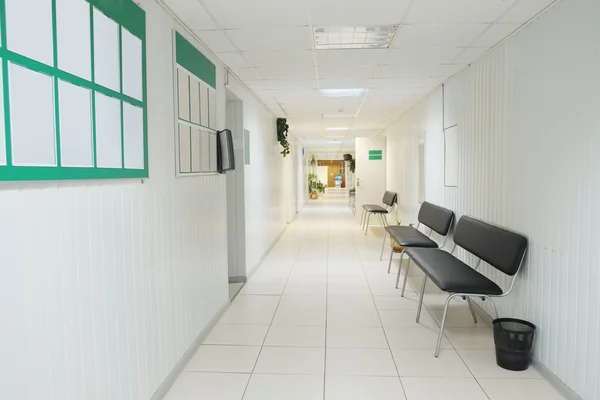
{"points": [[409, 236], [450, 274], [372, 208]]}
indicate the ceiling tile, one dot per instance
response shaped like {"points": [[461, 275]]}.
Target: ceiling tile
{"points": [[524, 10], [271, 39], [263, 13], [216, 41], [336, 58], [303, 58], [495, 34], [282, 85], [471, 54], [192, 13], [287, 73], [437, 35], [245, 73], [359, 12], [458, 11], [233, 60], [423, 55]]}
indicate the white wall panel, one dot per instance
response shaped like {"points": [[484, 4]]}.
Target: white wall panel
{"points": [[263, 178], [529, 121], [105, 285]]}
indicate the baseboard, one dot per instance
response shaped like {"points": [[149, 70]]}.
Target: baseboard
{"points": [[180, 366], [559, 385], [237, 279]]}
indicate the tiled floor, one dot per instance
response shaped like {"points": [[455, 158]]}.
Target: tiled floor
{"points": [[321, 320]]}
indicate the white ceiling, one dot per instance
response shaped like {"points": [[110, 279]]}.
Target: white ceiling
{"points": [[269, 45]]}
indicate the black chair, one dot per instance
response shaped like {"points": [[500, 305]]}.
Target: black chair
{"points": [[389, 199], [500, 248], [436, 218]]}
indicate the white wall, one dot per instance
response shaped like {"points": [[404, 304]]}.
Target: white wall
{"points": [[105, 285], [301, 161], [529, 138], [263, 178]]}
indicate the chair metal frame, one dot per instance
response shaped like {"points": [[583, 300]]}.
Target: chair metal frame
{"points": [[366, 218], [466, 296]]}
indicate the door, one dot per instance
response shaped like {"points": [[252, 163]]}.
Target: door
{"points": [[370, 172], [236, 217]]}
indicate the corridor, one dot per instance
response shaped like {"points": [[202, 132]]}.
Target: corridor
{"points": [[321, 319]]}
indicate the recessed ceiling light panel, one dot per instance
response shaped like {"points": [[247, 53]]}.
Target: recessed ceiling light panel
{"points": [[343, 92], [353, 37]]}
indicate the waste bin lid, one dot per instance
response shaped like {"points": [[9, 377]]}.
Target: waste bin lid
{"points": [[514, 325]]}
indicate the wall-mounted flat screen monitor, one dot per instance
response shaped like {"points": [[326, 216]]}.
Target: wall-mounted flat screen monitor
{"points": [[225, 153]]}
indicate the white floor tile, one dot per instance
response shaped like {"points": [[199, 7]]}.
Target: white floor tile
{"points": [[303, 302], [406, 319], [363, 388], [341, 316], [396, 303], [245, 335], [351, 302], [415, 337], [422, 363], [263, 287], [296, 336], [519, 389], [208, 385], [364, 362], [288, 387], [294, 316], [224, 359], [471, 338], [356, 337], [251, 310], [482, 364], [443, 388], [291, 360]]}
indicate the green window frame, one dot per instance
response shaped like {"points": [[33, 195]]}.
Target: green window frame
{"points": [[128, 16]]}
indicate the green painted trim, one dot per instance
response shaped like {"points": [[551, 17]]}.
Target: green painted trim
{"points": [[57, 148], [375, 152], [5, 86], [121, 91], [375, 157], [126, 13], [194, 61], [65, 76], [189, 82], [93, 92], [129, 16], [67, 173]]}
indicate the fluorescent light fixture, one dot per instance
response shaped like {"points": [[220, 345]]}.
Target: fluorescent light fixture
{"points": [[343, 92], [339, 115], [338, 128], [353, 37]]}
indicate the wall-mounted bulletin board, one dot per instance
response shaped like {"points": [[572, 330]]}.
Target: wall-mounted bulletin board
{"points": [[73, 90], [196, 108]]}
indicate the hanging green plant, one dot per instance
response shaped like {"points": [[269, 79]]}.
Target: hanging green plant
{"points": [[282, 135], [353, 165]]}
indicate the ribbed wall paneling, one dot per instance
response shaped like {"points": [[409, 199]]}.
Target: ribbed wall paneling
{"points": [[104, 285], [529, 139]]}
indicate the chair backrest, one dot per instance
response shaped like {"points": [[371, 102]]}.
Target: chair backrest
{"points": [[502, 249], [435, 217], [389, 198]]}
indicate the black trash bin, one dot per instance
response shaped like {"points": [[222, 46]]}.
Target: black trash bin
{"points": [[514, 340]]}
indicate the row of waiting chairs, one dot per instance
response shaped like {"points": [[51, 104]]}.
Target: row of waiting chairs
{"points": [[502, 249]]}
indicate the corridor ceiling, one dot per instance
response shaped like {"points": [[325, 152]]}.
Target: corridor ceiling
{"points": [[270, 46]]}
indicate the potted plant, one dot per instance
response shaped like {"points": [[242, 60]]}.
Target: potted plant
{"points": [[315, 186]]}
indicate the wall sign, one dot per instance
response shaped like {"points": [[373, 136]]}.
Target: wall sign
{"points": [[375, 154]]}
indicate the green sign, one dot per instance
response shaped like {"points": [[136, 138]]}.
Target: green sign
{"points": [[375, 154]]}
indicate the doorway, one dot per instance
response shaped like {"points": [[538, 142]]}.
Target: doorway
{"points": [[370, 171], [236, 214]]}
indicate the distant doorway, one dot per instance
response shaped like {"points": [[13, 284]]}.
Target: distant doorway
{"points": [[336, 173]]}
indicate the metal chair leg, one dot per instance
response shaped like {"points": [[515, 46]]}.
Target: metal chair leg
{"points": [[362, 219], [472, 310], [367, 224], [441, 334], [399, 268], [391, 257], [405, 278], [383, 245], [421, 299], [493, 304]]}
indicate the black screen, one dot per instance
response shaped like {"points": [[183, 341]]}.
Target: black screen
{"points": [[225, 154]]}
